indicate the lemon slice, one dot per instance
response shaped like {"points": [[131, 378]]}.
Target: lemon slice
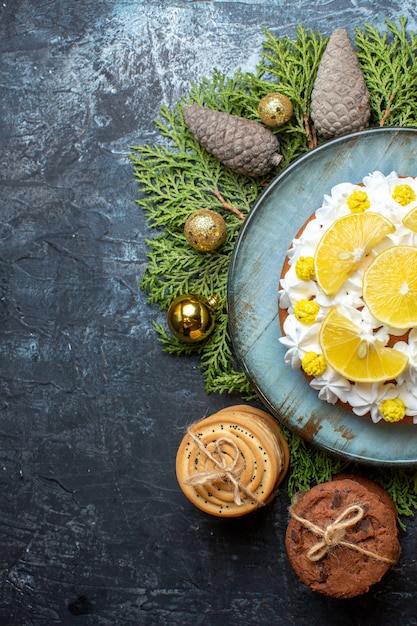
{"points": [[410, 219], [353, 356], [343, 246], [390, 287]]}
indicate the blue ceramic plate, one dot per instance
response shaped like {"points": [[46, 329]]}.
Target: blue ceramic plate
{"points": [[253, 291]]}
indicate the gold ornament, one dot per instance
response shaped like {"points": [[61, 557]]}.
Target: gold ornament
{"points": [[190, 317], [205, 230], [275, 109]]}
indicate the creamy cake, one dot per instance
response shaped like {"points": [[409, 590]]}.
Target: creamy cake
{"points": [[305, 308]]}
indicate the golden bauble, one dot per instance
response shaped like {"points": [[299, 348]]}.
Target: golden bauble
{"points": [[275, 109], [205, 230], [190, 317]]}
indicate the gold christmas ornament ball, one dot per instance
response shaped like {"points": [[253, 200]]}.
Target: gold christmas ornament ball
{"points": [[275, 109], [205, 230], [190, 317]]}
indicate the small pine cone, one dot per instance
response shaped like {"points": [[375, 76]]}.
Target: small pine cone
{"points": [[340, 97], [242, 145]]}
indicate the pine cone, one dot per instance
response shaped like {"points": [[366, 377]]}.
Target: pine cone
{"points": [[340, 97], [242, 145]]}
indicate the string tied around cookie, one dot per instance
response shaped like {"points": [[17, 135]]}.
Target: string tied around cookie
{"points": [[222, 470], [334, 534]]}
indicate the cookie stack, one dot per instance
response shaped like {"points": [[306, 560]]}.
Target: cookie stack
{"points": [[232, 462]]}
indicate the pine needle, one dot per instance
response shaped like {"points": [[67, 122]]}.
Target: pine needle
{"points": [[389, 66]]}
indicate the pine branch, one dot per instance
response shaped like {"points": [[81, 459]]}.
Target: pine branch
{"points": [[389, 66], [177, 177], [311, 464]]}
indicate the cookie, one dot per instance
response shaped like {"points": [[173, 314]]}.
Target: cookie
{"points": [[232, 462], [342, 536]]}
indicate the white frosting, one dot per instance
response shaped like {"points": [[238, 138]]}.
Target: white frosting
{"points": [[300, 338]]}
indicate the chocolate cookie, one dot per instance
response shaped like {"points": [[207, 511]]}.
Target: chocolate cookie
{"points": [[342, 536]]}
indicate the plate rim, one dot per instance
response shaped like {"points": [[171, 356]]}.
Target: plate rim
{"points": [[299, 162]]}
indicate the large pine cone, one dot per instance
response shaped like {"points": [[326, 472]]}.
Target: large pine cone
{"points": [[242, 145], [340, 97]]}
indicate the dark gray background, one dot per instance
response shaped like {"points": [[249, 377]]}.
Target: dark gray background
{"points": [[93, 527]]}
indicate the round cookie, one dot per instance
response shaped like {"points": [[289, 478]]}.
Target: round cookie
{"points": [[233, 461], [342, 536]]}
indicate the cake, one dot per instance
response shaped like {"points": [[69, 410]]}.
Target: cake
{"points": [[342, 536], [348, 316]]}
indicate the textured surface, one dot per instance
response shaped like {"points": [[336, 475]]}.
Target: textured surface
{"points": [[94, 529]]}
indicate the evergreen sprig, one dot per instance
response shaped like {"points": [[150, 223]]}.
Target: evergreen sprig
{"points": [[176, 180], [177, 177], [389, 66]]}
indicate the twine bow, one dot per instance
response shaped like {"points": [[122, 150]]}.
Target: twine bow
{"points": [[334, 534], [222, 471]]}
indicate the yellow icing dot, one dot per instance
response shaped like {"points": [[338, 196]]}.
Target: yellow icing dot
{"points": [[358, 201], [403, 194], [304, 268], [313, 364], [392, 410], [306, 311]]}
